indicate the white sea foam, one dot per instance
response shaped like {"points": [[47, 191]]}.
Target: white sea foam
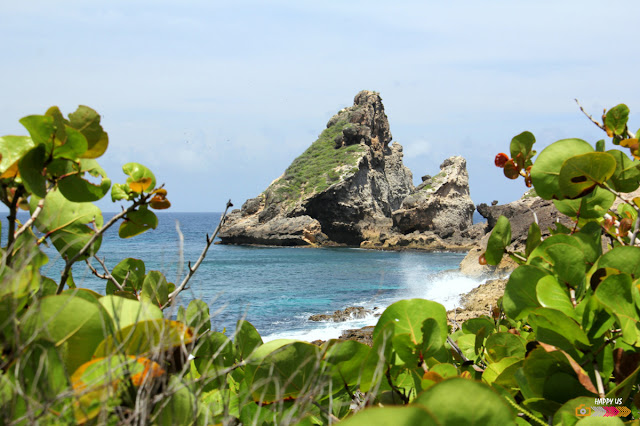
{"points": [[445, 288]]}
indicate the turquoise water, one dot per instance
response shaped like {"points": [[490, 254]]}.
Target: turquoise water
{"points": [[277, 288]]}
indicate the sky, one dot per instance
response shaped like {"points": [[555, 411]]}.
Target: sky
{"points": [[218, 97]]}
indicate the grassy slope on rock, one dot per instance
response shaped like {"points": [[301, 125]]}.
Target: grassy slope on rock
{"points": [[318, 167]]}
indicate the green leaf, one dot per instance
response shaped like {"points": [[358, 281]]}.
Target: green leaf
{"points": [[503, 345], [154, 288], [75, 188], [552, 294], [140, 179], [144, 336], [591, 206], [75, 325], [121, 191], [246, 339], [12, 149], [400, 416], [495, 370], [181, 405], [214, 352], [534, 237], [522, 144], [67, 223], [557, 329], [408, 316], [626, 178], [131, 269], [42, 130], [545, 171], [431, 338], [126, 312], [30, 167], [198, 317], [616, 119], [137, 222], [499, 240], [520, 292], [580, 174], [283, 372], [72, 147], [623, 258], [482, 406], [87, 121], [618, 294], [346, 357]]}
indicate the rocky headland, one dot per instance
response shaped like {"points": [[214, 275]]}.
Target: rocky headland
{"points": [[351, 188]]}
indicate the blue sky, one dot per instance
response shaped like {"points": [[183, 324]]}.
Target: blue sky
{"points": [[217, 98]]}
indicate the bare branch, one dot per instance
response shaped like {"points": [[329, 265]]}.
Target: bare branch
{"points": [[32, 219], [83, 250], [107, 275], [194, 268], [600, 126]]}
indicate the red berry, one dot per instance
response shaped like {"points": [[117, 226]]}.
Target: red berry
{"points": [[482, 260], [501, 159]]}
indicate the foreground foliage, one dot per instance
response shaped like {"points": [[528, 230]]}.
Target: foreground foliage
{"points": [[566, 330]]}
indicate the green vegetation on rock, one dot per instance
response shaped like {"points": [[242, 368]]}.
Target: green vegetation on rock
{"points": [[319, 167]]}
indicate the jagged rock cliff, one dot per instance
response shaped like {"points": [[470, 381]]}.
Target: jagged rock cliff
{"points": [[441, 204], [342, 189]]}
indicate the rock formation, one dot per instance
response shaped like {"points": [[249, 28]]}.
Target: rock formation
{"points": [[350, 187], [440, 203], [521, 213], [341, 190]]}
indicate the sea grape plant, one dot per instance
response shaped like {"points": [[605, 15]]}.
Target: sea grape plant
{"points": [[565, 332]]}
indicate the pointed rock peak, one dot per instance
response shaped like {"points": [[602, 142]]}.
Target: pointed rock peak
{"points": [[366, 122]]}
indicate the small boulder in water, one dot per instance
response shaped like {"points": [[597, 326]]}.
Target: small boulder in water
{"points": [[352, 312]]}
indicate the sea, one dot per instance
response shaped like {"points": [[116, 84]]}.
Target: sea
{"points": [[277, 288]]}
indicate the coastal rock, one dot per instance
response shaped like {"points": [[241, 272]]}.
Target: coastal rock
{"points": [[440, 204], [362, 335], [478, 302], [521, 213], [352, 312], [341, 190]]}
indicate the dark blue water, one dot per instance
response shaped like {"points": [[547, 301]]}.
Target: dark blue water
{"points": [[277, 288]]}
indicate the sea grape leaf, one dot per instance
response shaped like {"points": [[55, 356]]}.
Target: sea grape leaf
{"points": [[72, 147], [75, 325], [591, 206], [522, 144], [408, 316], [534, 237], [616, 119], [346, 357], [12, 149], [623, 258], [400, 416], [131, 269], [283, 372], [155, 288], [482, 405], [146, 336], [496, 369], [502, 345], [557, 329], [246, 339], [76, 188], [126, 312], [87, 121], [42, 130], [618, 294], [545, 172], [474, 325], [626, 177], [120, 191], [520, 292], [213, 352], [181, 404], [140, 179], [568, 263], [589, 239], [552, 294], [67, 223], [580, 174], [499, 239], [137, 222], [432, 340], [30, 166], [197, 316]]}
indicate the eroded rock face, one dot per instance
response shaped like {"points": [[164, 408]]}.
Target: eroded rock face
{"points": [[440, 204], [352, 312], [345, 186]]}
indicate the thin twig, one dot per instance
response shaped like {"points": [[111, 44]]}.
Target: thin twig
{"points": [[599, 383], [192, 269], [32, 219], [600, 126], [636, 227], [107, 275], [94, 237]]}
